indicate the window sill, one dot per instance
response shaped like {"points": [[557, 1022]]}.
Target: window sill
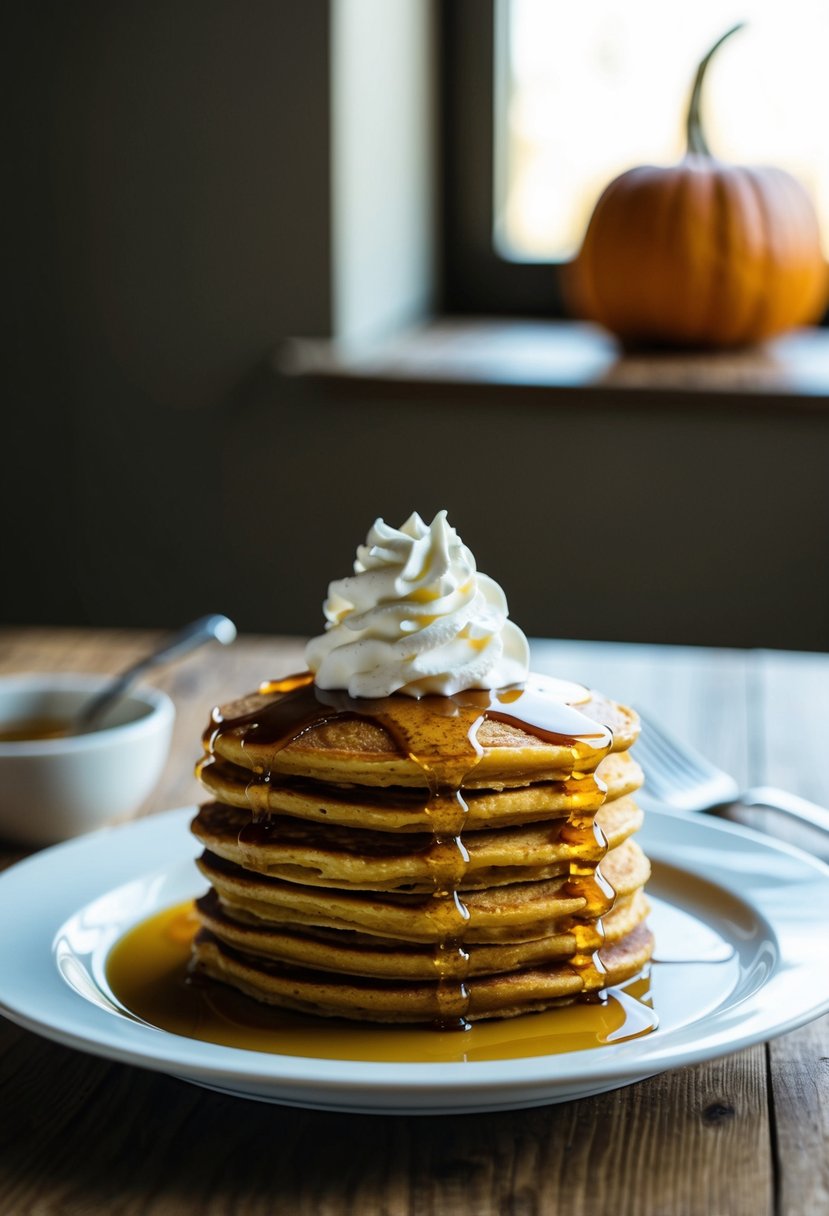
{"points": [[550, 357]]}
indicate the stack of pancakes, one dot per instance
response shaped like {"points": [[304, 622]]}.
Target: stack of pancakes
{"points": [[353, 875]]}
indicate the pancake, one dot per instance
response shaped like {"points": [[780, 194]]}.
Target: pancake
{"points": [[515, 912], [352, 953], [351, 858], [361, 750], [401, 809], [327, 995]]}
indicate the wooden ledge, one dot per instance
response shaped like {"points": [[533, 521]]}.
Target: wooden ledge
{"points": [[453, 352]]}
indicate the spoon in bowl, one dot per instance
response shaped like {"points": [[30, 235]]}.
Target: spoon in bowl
{"points": [[205, 629]]}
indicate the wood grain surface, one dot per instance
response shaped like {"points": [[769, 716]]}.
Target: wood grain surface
{"points": [[748, 1134]]}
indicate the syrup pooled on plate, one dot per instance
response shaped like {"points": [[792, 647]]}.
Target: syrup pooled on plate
{"points": [[147, 971], [440, 735]]}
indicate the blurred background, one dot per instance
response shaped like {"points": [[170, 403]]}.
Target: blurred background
{"points": [[193, 186]]}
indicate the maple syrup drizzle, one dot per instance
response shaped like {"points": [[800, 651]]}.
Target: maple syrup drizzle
{"points": [[440, 735]]}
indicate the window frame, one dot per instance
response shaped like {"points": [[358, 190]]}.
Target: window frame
{"points": [[476, 278]]}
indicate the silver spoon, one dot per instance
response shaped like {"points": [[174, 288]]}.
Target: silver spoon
{"points": [[205, 629]]}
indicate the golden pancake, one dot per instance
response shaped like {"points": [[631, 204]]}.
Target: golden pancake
{"points": [[334, 856], [357, 748], [327, 995], [361, 954], [402, 809], [516, 912]]}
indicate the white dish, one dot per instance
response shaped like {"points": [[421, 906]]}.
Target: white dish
{"points": [[53, 789], [773, 973]]}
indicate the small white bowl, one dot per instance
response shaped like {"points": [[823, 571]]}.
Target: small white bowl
{"points": [[51, 789]]}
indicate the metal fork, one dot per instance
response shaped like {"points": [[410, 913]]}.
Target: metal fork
{"points": [[679, 777]]}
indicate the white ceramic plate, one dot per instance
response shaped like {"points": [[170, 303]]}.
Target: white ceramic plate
{"points": [[739, 893]]}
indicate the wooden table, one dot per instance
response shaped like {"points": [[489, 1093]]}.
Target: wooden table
{"points": [[746, 1134]]}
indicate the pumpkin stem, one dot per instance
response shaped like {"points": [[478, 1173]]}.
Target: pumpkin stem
{"points": [[697, 143]]}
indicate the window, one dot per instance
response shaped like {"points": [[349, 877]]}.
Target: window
{"points": [[547, 102]]}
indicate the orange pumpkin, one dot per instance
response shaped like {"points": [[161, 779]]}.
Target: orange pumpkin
{"points": [[701, 254]]}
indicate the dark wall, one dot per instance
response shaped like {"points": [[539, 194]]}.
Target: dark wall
{"points": [[636, 523], [169, 224], [170, 219]]}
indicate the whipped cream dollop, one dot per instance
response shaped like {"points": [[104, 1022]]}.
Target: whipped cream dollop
{"points": [[416, 617]]}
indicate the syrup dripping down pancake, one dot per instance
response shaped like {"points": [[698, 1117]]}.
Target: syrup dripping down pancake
{"points": [[352, 953], [324, 994], [351, 858], [401, 809], [514, 912], [360, 750]]}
